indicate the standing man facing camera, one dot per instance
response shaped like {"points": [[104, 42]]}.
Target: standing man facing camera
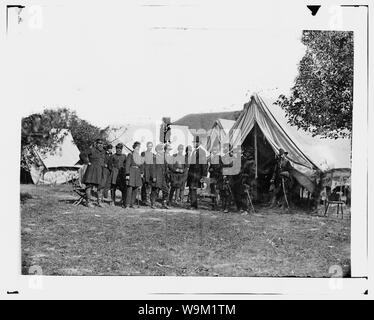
{"points": [[197, 170], [148, 159], [93, 178]]}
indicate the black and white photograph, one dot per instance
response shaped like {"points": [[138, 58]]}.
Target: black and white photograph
{"points": [[169, 144]]}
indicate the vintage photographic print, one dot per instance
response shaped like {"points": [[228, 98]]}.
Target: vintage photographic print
{"points": [[157, 139]]}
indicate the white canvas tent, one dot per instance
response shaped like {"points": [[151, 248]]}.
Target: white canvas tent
{"points": [[305, 152], [58, 166], [219, 133]]}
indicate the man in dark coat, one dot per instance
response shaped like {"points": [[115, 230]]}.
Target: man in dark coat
{"points": [[228, 170], [215, 175], [148, 156], [198, 169], [134, 173], [187, 157], [117, 179], [281, 180], [247, 181], [159, 173], [177, 172], [237, 185], [94, 158], [107, 171]]}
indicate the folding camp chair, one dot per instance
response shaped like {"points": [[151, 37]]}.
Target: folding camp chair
{"points": [[80, 190]]}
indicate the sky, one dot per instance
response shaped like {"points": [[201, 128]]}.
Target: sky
{"points": [[118, 62]]}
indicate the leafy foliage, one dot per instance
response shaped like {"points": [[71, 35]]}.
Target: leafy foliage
{"points": [[85, 133], [322, 98], [43, 131]]}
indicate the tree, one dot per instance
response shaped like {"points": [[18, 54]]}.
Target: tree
{"points": [[43, 131], [321, 99], [85, 133]]}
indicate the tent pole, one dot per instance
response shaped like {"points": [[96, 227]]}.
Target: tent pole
{"points": [[255, 144]]}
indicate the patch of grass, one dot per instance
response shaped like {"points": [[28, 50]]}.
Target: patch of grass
{"points": [[25, 196], [66, 240]]}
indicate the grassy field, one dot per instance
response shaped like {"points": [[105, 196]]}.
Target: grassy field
{"points": [[66, 240]]}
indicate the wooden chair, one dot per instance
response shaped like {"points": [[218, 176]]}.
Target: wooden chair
{"points": [[339, 205]]}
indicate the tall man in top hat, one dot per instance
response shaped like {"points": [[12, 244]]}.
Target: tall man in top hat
{"points": [[177, 173], [198, 169], [94, 176], [148, 159], [159, 175]]}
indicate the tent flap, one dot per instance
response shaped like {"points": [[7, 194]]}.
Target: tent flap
{"points": [[305, 152]]}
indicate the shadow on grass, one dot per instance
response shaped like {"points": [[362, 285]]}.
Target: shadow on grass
{"points": [[25, 196]]}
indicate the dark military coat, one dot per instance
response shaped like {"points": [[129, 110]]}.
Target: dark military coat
{"points": [[282, 165], [159, 172], [106, 171], [178, 170], [117, 167], [148, 159], [134, 169], [94, 173], [198, 168]]}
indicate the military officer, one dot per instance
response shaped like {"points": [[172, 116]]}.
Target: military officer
{"points": [[215, 176], [159, 175], [177, 172], [107, 171], [197, 170], [281, 180], [117, 179], [93, 177], [134, 174], [148, 159]]}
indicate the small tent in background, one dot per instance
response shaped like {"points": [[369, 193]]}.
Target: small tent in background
{"points": [[144, 132], [200, 124], [264, 126], [219, 133], [54, 167], [205, 121]]}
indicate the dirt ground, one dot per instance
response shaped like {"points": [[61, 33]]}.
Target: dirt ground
{"points": [[67, 240]]}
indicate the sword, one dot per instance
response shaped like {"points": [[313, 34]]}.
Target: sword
{"points": [[250, 200], [284, 193]]}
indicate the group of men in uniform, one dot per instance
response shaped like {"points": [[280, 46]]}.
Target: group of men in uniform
{"points": [[148, 172], [157, 173]]}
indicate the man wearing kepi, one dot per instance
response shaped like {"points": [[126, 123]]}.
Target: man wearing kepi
{"points": [[134, 174], [148, 158], [158, 175], [117, 167], [216, 176], [107, 171], [197, 170], [281, 180], [94, 176]]}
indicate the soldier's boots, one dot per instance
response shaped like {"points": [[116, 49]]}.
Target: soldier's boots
{"points": [[171, 203], [88, 198], [100, 199], [89, 204], [164, 205]]}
